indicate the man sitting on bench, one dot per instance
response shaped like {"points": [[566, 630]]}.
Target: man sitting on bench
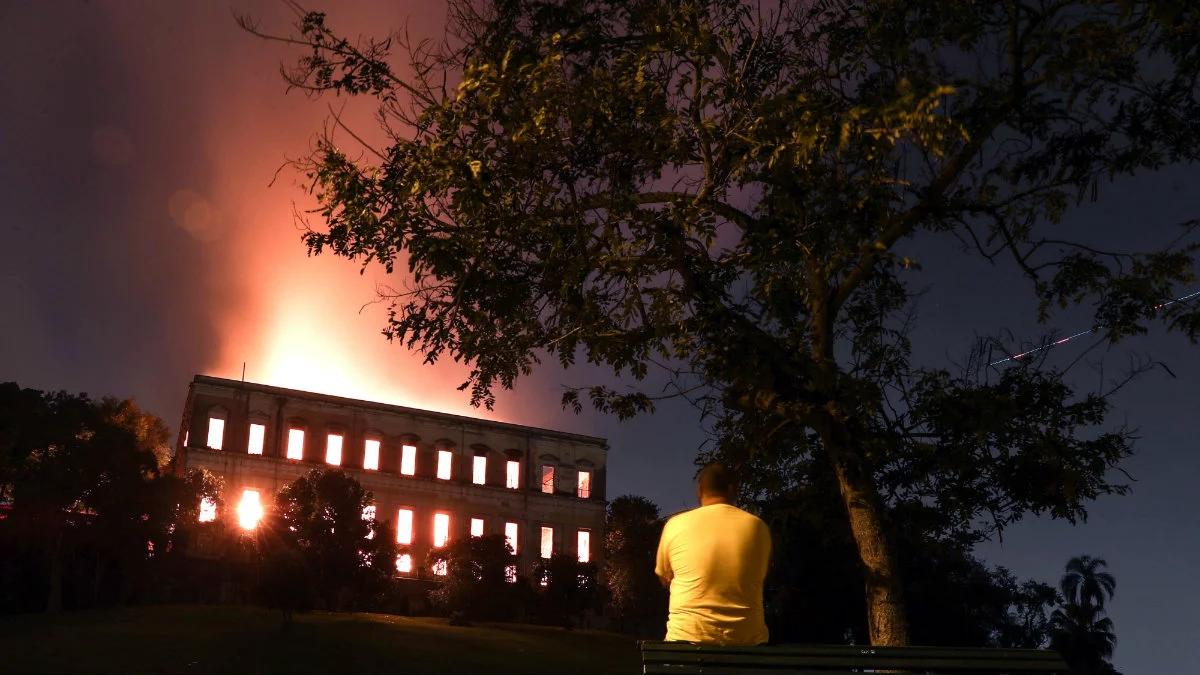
{"points": [[714, 559]]}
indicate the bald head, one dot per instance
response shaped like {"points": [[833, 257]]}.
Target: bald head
{"points": [[716, 483]]}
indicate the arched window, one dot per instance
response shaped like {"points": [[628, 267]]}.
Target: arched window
{"points": [[217, 417], [295, 439], [479, 462], [512, 469], [445, 458], [256, 438], [583, 479], [372, 445], [333, 446]]}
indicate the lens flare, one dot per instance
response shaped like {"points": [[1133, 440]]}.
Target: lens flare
{"points": [[250, 509]]}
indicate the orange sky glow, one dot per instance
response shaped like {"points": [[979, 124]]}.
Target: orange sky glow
{"points": [[295, 321]]}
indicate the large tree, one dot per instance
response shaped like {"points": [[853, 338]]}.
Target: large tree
{"points": [[631, 532], [323, 521], [475, 585], [734, 191], [1078, 627], [89, 492]]}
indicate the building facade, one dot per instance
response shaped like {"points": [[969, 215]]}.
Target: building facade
{"points": [[434, 476]]}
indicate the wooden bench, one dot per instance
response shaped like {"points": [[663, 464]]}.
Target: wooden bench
{"points": [[662, 658]]}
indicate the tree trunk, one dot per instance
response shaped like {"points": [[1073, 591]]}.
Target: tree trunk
{"points": [[886, 619]]}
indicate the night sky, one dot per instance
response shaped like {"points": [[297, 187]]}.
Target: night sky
{"points": [[144, 242]]}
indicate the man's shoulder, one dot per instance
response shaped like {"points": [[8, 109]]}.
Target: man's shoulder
{"points": [[678, 518]]}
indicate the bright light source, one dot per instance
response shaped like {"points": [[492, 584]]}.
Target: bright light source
{"points": [[250, 509], [548, 479], [216, 432], [584, 487], [439, 568], [477, 527], [258, 434], [208, 510], [512, 474], [443, 465], [369, 515], [404, 563], [333, 449], [547, 541], [408, 460], [404, 526], [371, 455], [510, 536], [295, 446], [479, 470], [584, 545], [441, 529]]}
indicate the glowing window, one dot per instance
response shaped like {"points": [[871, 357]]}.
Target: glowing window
{"points": [[512, 474], [333, 449], [584, 485], [547, 541], [408, 460], [479, 470], [583, 545], [477, 527], [439, 568], [208, 510], [441, 529], [547, 479], [404, 563], [443, 466], [510, 574], [369, 515], [295, 446], [510, 536], [250, 509], [258, 433], [404, 526], [216, 432], [371, 455]]}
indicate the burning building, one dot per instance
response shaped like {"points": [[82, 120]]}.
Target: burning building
{"points": [[435, 476]]}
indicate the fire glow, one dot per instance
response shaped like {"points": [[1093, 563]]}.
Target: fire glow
{"points": [[250, 510]]}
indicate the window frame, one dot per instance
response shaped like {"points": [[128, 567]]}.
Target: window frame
{"points": [[341, 446], [367, 454], [408, 459]]}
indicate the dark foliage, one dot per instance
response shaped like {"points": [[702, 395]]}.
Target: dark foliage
{"points": [[319, 519], [89, 514], [733, 191], [568, 589], [1079, 629], [475, 586], [636, 598]]}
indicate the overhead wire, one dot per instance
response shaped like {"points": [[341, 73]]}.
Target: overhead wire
{"points": [[1063, 341]]}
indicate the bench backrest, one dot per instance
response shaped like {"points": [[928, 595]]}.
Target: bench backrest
{"points": [[687, 659]]}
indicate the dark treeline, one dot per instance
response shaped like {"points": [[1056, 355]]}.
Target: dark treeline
{"points": [[90, 515]]}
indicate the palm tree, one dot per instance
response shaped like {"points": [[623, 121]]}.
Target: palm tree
{"points": [[1078, 628], [1083, 584]]}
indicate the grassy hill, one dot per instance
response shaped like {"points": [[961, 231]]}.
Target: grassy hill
{"points": [[223, 639]]}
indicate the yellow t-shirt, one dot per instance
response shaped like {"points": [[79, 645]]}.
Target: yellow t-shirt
{"points": [[716, 558]]}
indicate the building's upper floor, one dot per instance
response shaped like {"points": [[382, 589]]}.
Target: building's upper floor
{"points": [[308, 428]]}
